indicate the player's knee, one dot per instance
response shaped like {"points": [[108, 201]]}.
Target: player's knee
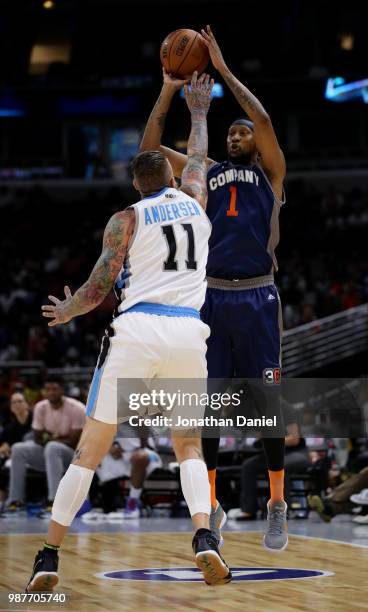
{"points": [[51, 447], [17, 449]]}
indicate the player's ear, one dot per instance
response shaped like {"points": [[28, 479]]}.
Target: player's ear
{"points": [[173, 183], [135, 184]]}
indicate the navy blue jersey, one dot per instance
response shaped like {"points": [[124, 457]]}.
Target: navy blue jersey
{"points": [[244, 214]]}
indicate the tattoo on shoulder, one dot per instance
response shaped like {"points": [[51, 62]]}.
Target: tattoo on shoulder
{"points": [[119, 230]]}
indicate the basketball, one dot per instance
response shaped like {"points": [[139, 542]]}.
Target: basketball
{"points": [[182, 52]]}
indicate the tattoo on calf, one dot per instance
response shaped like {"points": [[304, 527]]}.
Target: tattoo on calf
{"points": [[199, 453], [77, 454]]}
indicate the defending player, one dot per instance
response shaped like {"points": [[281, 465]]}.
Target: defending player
{"points": [[155, 253], [242, 305]]}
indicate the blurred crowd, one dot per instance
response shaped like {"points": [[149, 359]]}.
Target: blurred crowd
{"points": [[38, 439], [52, 241]]}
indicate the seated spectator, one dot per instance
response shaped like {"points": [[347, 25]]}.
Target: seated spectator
{"points": [[296, 460], [358, 455], [57, 425], [18, 427], [134, 458], [344, 499]]}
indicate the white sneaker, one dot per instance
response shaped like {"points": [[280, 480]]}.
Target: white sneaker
{"points": [[360, 498], [234, 513], [361, 520], [94, 516]]}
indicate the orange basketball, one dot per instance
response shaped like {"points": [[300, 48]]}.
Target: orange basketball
{"points": [[182, 52]]}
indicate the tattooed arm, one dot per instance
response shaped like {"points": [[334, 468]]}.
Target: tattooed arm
{"points": [[194, 177], [151, 139], [272, 158], [115, 245]]}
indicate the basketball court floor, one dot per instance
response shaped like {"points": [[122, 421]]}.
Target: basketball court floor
{"points": [[146, 565]]}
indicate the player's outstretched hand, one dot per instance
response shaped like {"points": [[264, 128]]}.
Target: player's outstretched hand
{"points": [[58, 310], [198, 96], [213, 48], [173, 82]]}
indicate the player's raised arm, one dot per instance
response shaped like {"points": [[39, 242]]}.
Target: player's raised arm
{"points": [[151, 139], [152, 135], [194, 177], [272, 157], [115, 245]]}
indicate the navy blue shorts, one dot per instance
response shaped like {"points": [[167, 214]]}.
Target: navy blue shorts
{"points": [[246, 328]]}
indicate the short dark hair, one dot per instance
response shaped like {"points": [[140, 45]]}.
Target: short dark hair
{"points": [[54, 378], [151, 170]]}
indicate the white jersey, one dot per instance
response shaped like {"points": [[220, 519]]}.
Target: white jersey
{"points": [[167, 258]]}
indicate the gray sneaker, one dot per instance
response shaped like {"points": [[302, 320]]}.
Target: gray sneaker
{"points": [[217, 521], [276, 538]]}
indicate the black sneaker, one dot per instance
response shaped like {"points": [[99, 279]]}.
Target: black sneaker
{"points": [[208, 558], [44, 576]]}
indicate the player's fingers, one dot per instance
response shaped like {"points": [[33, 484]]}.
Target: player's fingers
{"points": [[52, 323], [67, 292], [48, 308], [206, 81], [201, 81], [212, 82], [205, 37], [48, 315], [209, 32], [194, 78], [54, 299]]}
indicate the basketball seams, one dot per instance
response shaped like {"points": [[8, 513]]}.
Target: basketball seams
{"points": [[181, 51], [187, 53], [175, 35]]}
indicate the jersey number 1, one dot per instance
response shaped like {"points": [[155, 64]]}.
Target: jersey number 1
{"points": [[232, 212], [170, 263]]}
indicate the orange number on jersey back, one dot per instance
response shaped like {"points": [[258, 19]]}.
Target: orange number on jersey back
{"points": [[232, 212]]}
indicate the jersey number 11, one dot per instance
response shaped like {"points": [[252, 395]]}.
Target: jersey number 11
{"points": [[171, 263]]}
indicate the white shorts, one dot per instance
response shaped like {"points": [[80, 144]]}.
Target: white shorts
{"points": [[145, 347], [111, 468]]}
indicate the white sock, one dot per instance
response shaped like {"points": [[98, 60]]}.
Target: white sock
{"points": [[72, 491], [135, 493], [195, 486]]}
